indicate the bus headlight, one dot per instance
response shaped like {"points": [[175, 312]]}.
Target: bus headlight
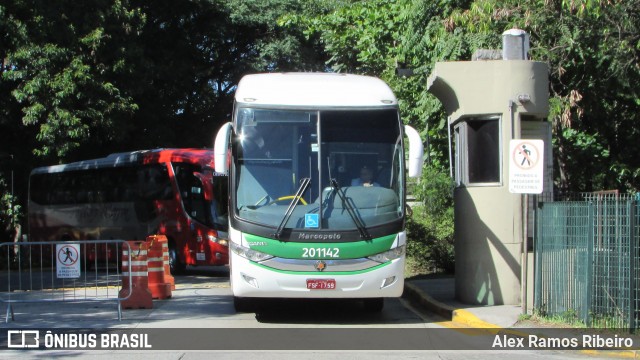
{"points": [[388, 255], [247, 253], [223, 242]]}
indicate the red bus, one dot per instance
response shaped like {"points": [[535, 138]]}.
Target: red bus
{"points": [[174, 192]]}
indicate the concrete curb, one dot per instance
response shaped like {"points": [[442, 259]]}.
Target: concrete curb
{"points": [[448, 312], [466, 318], [416, 294]]}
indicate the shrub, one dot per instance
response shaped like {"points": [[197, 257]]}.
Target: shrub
{"points": [[430, 228]]}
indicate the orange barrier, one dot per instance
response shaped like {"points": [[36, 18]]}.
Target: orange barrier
{"points": [[140, 297], [158, 284], [165, 261]]}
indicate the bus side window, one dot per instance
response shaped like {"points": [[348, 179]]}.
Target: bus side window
{"points": [[180, 178], [220, 202], [165, 192], [153, 182], [191, 191], [129, 185], [184, 185], [197, 201]]}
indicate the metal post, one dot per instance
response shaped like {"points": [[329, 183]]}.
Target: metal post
{"points": [[525, 252], [451, 165], [632, 256], [589, 281], [12, 215], [537, 267]]}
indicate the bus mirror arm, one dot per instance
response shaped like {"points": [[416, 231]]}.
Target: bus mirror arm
{"points": [[220, 148], [416, 151]]}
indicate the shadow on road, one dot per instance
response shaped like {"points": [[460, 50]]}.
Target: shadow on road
{"points": [[210, 271], [331, 312]]}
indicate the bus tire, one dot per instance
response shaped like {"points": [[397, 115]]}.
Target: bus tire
{"points": [[242, 305], [176, 266], [373, 305]]}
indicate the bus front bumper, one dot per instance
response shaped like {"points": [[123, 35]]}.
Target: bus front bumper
{"points": [[251, 280]]}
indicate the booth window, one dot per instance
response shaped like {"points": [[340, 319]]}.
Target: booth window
{"points": [[477, 151]]}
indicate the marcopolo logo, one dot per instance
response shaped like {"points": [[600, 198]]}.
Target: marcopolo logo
{"points": [[23, 339], [319, 236]]}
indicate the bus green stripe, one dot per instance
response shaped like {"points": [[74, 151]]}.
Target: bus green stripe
{"points": [[295, 250], [317, 273]]}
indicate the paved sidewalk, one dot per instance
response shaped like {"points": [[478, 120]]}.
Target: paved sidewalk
{"points": [[438, 295]]}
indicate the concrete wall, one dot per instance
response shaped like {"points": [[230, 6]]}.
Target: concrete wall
{"points": [[488, 218], [485, 87]]}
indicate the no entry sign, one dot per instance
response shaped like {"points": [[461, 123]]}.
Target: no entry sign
{"points": [[526, 164], [68, 261]]}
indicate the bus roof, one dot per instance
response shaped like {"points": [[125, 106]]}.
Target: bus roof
{"points": [[314, 90], [196, 156]]}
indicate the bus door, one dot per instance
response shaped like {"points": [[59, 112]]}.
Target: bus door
{"points": [[192, 193]]}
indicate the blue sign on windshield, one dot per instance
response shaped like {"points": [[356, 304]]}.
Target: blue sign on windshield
{"points": [[311, 221]]}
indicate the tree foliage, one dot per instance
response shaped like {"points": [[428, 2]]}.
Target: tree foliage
{"points": [[83, 79], [375, 38], [134, 73], [65, 69], [591, 47], [592, 50]]}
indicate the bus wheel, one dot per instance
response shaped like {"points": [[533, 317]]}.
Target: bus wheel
{"points": [[175, 265], [373, 305], [242, 305]]}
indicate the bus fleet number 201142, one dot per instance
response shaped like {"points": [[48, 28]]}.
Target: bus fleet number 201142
{"points": [[320, 252]]}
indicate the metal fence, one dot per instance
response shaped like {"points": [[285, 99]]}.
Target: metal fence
{"points": [[47, 272], [587, 260]]}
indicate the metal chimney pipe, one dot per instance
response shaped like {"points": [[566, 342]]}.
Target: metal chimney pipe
{"points": [[515, 45]]}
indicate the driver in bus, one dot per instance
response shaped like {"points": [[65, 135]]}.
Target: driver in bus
{"points": [[365, 179]]}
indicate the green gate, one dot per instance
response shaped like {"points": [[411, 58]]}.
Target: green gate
{"points": [[586, 261]]}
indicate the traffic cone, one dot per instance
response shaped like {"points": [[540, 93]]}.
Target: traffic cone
{"points": [[135, 292], [165, 261], [159, 287]]}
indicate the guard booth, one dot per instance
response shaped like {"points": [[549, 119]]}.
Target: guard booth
{"points": [[489, 101]]}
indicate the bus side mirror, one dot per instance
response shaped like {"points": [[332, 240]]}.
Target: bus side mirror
{"points": [[220, 148], [415, 152]]}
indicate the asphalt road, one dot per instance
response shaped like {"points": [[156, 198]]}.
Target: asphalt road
{"points": [[199, 320]]}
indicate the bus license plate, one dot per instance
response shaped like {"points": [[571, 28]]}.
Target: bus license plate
{"points": [[321, 284]]}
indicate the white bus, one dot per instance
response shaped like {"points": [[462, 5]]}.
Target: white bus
{"points": [[316, 166]]}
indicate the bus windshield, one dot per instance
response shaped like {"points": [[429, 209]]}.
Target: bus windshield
{"points": [[351, 158], [203, 194]]}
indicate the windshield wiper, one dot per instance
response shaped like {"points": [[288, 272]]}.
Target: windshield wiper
{"points": [[364, 234], [292, 205]]}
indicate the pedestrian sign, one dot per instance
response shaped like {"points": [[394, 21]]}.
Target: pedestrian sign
{"points": [[526, 164], [68, 261]]}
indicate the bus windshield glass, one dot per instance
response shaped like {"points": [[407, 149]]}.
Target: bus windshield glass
{"points": [[203, 194], [351, 158]]}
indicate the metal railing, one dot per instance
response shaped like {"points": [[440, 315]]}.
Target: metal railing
{"points": [[587, 257], [52, 271]]}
